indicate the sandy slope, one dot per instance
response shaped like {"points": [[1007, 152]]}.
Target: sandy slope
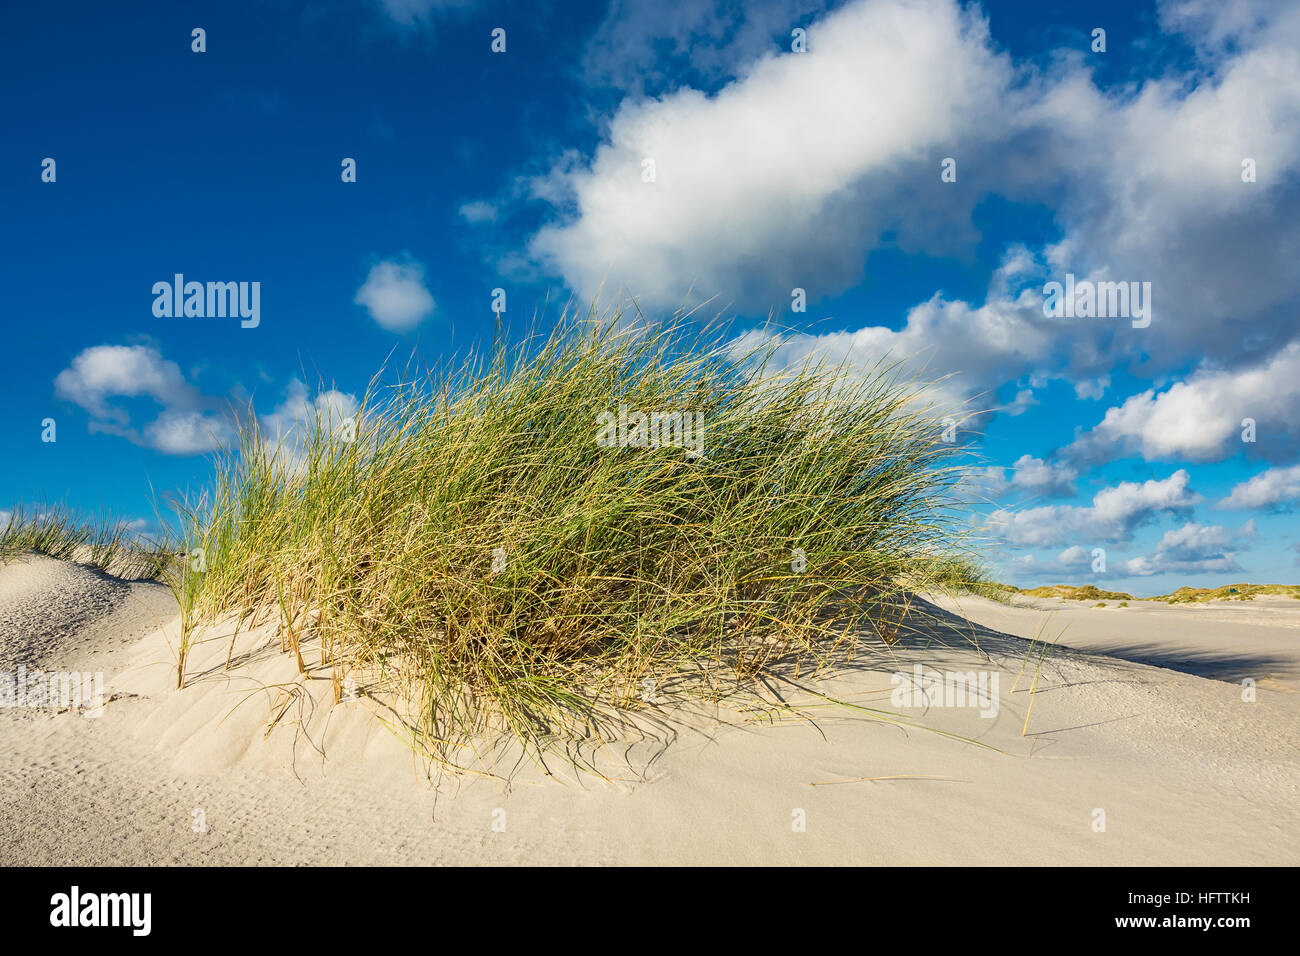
{"points": [[1184, 770]]}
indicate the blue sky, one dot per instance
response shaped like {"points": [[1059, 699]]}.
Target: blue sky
{"points": [[774, 170]]}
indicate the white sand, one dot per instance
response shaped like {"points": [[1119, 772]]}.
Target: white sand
{"points": [[1185, 771]]}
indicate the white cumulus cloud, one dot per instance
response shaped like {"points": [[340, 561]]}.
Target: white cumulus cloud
{"points": [[1033, 476], [1203, 418], [793, 173], [787, 176], [1273, 486], [395, 296], [1194, 549], [1113, 516], [99, 376], [186, 422]]}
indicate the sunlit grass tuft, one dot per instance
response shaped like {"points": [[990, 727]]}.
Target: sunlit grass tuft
{"points": [[466, 542]]}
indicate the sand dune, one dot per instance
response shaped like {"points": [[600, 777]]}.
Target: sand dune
{"points": [[1138, 714], [1222, 640]]}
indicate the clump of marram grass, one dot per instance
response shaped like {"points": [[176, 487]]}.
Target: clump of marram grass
{"points": [[961, 574], [102, 542], [1229, 592], [466, 541], [1071, 592]]}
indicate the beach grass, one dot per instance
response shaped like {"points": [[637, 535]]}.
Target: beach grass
{"points": [[467, 540], [965, 573], [103, 541]]}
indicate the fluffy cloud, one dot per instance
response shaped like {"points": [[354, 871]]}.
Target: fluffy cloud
{"points": [[188, 424], [176, 432], [1022, 403], [793, 173], [962, 353], [789, 170], [1030, 475], [1113, 516], [1073, 560], [1273, 486], [1216, 27], [395, 296], [1194, 548], [787, 176], [110, 371], [478, 211], [1153, 191], [1201, 419]]}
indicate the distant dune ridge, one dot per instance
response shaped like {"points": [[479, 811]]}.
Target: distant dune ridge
{"points": [[1183, 595]]}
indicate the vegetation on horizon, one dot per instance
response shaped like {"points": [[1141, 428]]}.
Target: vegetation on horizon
{"points": [[1229, 592], [103, 542], [1183, 595], [1070, 592]]}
